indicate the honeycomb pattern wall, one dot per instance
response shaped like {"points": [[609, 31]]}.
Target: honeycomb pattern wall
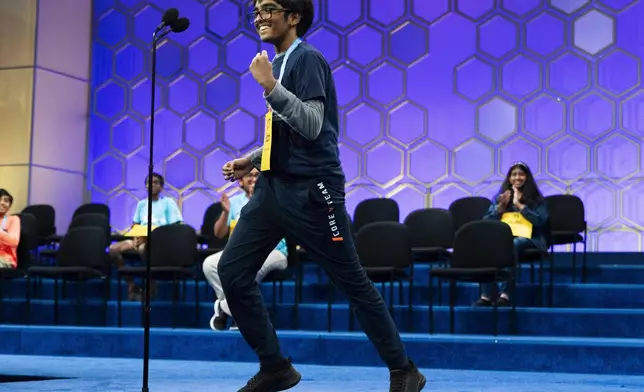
{"points": [[438, 98]]}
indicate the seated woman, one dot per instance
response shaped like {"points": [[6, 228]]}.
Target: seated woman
{"points": [[9, 232], [519, 195]]}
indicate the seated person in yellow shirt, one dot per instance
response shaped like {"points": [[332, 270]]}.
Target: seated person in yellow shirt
{"points": [[519, 194]]}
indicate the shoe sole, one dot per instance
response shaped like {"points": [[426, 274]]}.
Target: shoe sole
{"points": [[421, 382], [214, 325], [290, 383]]}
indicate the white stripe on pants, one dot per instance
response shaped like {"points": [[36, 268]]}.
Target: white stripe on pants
{"points": [[276, 260]]}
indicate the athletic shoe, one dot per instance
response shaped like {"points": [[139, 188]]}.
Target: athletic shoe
{"points": [[219, 320], [268, 381], [233, 326], [406, 380]]}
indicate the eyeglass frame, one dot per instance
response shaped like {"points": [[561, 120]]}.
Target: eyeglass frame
{"points": [[268, 13]]}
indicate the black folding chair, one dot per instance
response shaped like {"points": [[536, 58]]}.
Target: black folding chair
{"points": [[432, 234], [483, 253], [567, 222], [27, 246], [468, 209], [375, 210], [81, 257], [46, 217], [93, 219], [173, 249], [384, 249], [93, 208]]}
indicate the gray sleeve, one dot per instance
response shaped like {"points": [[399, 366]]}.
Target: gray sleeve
{"points": [[304, 117], [255, 157]]}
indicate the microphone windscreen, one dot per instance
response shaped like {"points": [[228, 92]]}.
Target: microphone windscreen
{"points": [[170, 16], [181, 25]]}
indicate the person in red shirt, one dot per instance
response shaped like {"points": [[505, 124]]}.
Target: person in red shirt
{"points": [[9, 232]]}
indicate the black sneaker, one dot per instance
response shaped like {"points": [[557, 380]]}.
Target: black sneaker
{"points": [[233, 326], [406, 380], [482, 302], [265, 381], [219, 320]]}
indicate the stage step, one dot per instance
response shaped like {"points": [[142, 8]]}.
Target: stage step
{"points": [[565, 295], [623, 323], [541, 354]]}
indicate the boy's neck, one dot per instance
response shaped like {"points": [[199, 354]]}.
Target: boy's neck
{"points": [[286, 43]]}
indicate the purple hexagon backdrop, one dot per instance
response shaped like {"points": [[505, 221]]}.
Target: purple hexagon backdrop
{"points": [[437, 99]]}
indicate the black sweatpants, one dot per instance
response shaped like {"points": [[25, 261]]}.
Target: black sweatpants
{"points": [[302, 211]]}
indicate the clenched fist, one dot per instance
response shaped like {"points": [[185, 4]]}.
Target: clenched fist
{"points": [[234, 170], [262, 71]]}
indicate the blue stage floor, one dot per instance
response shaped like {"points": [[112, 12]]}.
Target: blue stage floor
{"points": [[111, 375]]}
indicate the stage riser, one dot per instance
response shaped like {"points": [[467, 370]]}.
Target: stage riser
{"points": [[600, 357], [527, 295], [530, 321]]}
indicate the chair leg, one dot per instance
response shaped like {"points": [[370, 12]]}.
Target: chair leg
{"points": [[197, 313], [80, 285], [119, 315], [28, 301], [583, 259], [56, 301], [452, 300], [106, 297], [329, 306], [175, 299], [541, 301], [274, 298], [574, 262], [298, 293], [513, 316], [552, 278], [410, 324], [391, 295], [431, 306]]}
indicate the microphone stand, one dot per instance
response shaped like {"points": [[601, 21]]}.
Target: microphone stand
{"points": [[156, 37]]}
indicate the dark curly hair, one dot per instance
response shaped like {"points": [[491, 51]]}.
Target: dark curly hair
{"points": [[303, 8], [5, 193], [531, 193]]}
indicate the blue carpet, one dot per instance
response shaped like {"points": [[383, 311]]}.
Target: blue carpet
{"points": [[112, 375], [539, 354]]}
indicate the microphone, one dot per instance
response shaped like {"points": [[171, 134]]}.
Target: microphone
{"points": [[180, 25], [168, 19]]}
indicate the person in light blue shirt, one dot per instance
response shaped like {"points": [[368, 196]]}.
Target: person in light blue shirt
{"points": [[231, 210], [165, 211]]}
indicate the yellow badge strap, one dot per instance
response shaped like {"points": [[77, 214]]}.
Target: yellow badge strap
{"points": [[520, 226], [268, 141]]}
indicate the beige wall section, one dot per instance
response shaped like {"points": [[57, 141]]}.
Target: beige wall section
{"points": [[60, 122], [61, 189], [59, 129], [16, 89], [64, 47], [17, 42], [17, 33]]}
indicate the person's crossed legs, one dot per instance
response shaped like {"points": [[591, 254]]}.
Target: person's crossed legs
{"points": [[116, 251], [276, 260], [487, 289]]}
